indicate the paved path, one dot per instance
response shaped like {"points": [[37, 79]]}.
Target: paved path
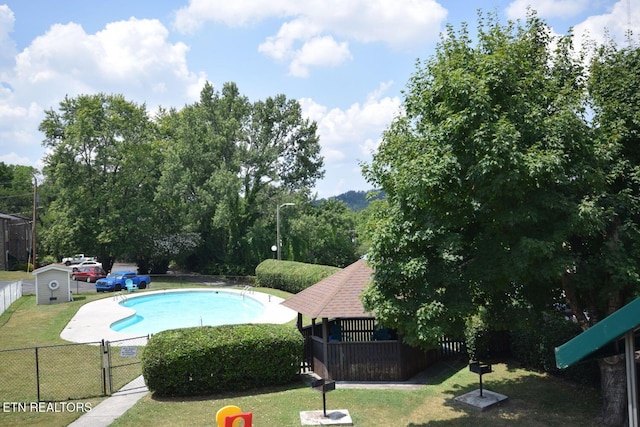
{"points": [[113, 407]]}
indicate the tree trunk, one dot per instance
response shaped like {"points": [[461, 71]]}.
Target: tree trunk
{"points": [[614, 390]]}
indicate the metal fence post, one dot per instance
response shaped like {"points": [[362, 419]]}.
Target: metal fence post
{"points": [[109, 367], [37, 375], [106, 374]]}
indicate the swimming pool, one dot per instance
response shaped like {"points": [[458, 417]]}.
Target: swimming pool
{"points": [[92, 322], [183, 309]]}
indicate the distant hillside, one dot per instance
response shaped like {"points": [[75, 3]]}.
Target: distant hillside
{"points": [[357, 200]]}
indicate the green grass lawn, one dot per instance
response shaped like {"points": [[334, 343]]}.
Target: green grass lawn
{"points": [[534, 399]]}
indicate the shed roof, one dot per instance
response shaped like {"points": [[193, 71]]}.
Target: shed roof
{"points": [[336, 296], [12, 217], [597, 337]]}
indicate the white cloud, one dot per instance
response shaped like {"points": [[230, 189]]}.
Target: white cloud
{"points": [[7, 45], [398, 23], [131, 54], [235, 13], [314, 50], [319, 51], [313, 25], [11, 112], [354, 133], [547, 8], [132, 57], [350, 136], [282, 45], [14, 159], [594, 30], [615, 24]]}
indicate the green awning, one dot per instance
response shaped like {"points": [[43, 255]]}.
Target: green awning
{"points": [[611, 328]]}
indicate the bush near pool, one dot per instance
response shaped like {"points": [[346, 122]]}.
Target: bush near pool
{"points": [[291, 276], [213, 359]]}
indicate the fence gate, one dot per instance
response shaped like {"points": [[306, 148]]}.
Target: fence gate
{"points": [[122, 361]]}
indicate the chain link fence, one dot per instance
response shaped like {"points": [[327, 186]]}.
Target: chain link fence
{"points": [[69, 371]]}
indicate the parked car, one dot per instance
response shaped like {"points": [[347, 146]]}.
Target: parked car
{"points": [[86, 264], [89, 274], [116, 281], [77, 259]]}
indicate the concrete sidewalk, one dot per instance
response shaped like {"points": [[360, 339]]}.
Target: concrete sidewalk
{"points": [[113, 407]]}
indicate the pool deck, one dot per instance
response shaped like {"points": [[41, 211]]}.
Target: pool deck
{"points": [[92, 322]]}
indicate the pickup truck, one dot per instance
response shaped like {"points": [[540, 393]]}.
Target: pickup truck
{"points": [[116, 281], [77, 259]]}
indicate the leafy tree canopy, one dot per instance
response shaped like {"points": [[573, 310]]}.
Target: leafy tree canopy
{"points": [[229, 163], [483, 176], [16, 189], [101, 168]]}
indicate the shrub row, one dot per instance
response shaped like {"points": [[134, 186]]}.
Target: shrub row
{"points": [[23, 267], [534, 347], [214, 359], [531, 340], [291, 276]]}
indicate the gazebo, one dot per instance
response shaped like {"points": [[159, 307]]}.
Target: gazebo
{"points": [[348, 344]]}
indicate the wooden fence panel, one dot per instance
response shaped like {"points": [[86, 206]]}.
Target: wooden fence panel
{"points": [[364, 361]]}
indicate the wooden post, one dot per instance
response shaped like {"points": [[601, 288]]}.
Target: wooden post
{"points": [[325, 345]]}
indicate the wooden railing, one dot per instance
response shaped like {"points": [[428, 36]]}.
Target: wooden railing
{"points": [[359, 357]]}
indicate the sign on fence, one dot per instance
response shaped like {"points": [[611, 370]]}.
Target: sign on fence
{"points": [[128, 351]]}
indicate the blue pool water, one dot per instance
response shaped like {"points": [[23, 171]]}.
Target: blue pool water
{"points": [[184, 309]]}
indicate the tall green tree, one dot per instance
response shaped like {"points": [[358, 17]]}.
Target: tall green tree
{"points": [[102, 168], [200, 172], [501, 193], [325, 233], [16, 189], [229, 164]]}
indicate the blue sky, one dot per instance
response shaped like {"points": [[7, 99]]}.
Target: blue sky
{"points": [[345, 61]]}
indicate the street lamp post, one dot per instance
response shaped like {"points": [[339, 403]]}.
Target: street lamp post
{"points": [[33, 224], [278, 241]]}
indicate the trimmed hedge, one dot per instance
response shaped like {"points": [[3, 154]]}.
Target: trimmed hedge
{"points": [[291, 276], [213, 359]]}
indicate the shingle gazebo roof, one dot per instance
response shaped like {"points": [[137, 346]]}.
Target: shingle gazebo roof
{"points": [[336, 296]]}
